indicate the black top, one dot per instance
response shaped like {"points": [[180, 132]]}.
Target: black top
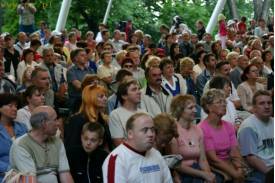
{"points": [[86, 168], [72, 131], [13, 59]]}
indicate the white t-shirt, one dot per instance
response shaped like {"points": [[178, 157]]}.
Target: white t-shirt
{"points": [[126, 165], [118, 119]]}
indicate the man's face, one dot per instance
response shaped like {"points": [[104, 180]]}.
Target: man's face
{"points": [[133, 94], [42, 80], [49, 57], [9, 42], [143, 133], [52, 124], [135, 57], [155, 76], [211, 64], [90, 141], [81, 58], [22, 37], [208, 38], [243, 62], [263, 106], [107, 58], [225, 70]]}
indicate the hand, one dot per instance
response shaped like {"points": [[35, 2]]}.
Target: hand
{"points": [[209, 177], [238, 176]]}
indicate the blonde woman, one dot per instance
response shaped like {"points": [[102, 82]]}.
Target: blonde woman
{"points": [[92, 110]]}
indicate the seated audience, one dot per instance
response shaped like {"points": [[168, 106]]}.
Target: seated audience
{"points": [[219, 137], [189, 144], [136, 160], [86, 160], [256, 138], [9, 129], [40, 153]]}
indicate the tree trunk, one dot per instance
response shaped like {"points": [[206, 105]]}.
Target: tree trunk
{"points": [[258, 4], [233, 9], [265, 10]]}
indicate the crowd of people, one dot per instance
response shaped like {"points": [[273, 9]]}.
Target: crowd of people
{"points": [[119, 107]]}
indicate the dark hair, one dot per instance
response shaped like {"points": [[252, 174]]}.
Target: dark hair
{"points": [[123, 89], [126, 60], [26, 52], [75, 52], [246, 71], [264, 53], [219, 82], [259, 93], [164, 62], [122, 73], [29, 92], [7, 98], [207, 57], [220, 64], [94, 127], [35, 42], [172, 52]]}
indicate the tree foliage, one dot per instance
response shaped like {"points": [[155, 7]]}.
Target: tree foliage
{"points": [[146, 15]]}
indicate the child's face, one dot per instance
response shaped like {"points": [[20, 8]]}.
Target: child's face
{"points": [[90, 141]]}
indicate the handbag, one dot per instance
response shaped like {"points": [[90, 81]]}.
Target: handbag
{"points": [[14, 176]]}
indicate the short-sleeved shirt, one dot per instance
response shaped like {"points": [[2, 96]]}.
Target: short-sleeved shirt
{"points": [[118, 119], [221, 139], [189, 143], [257, 138], [75, 73], [25, 159]]}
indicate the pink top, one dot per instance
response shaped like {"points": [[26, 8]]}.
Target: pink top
{"points": [[220, 139], [188, 143], [222, 28]]}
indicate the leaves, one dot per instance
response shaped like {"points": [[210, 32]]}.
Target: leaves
{"points": [[146, 15]]}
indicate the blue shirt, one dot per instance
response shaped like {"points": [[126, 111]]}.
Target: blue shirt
{"points": [[75, 73], [6, 142]]}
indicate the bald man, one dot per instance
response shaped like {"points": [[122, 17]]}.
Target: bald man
{"points": [[40, 153]]}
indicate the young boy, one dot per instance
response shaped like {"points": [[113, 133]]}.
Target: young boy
{"points": [[86, 160]]}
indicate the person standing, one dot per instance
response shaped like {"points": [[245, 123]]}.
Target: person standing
{"points": [[26, 11]]}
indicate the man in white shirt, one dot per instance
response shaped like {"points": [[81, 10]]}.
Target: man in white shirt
{"points": [[256, 137], [136, 160], [129, 96]]}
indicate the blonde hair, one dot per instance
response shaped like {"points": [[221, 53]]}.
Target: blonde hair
{"points": [[179, 103], [165, 123], [152, 61], [186, 61], [89, 101], [231, 55]]}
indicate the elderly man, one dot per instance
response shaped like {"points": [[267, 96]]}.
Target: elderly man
{"points": [[135, 160], [256, 137], [40, 152]]}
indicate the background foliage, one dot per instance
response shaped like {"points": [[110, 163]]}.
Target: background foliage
{"points": [[146, 15]]}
